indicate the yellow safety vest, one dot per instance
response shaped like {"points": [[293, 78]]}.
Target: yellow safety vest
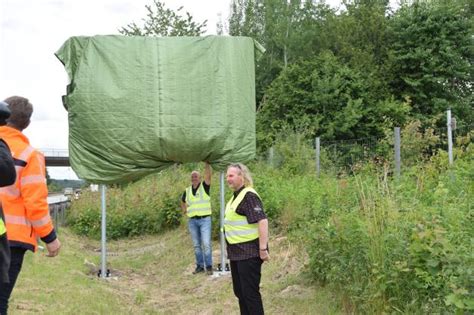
{"points": [[3, 230], [198, 205], [236, 227]]}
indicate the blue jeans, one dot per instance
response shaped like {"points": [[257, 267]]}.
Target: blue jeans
{"points": [[200, 230]]}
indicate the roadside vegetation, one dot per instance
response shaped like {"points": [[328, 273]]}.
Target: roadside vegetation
{"points": [[378, 243], [356, 239]]}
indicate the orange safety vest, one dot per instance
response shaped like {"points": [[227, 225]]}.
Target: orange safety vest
{"points": [[25, 204]]}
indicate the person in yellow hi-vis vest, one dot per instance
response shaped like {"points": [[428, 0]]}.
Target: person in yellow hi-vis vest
{"points": [[7, 177], [246, 234], [196, 204]]}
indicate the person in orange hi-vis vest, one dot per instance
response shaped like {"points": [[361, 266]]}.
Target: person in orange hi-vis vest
{"points": [[24, 203]]}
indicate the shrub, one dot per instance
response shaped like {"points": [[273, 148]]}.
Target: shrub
{"points": [[401, 245], [387, 245], [146, 207]]}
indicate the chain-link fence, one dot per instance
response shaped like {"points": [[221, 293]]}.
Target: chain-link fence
{"points": [[341, 156], [399, 148]]}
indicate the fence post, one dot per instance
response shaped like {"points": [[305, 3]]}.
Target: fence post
{"points": [[318, 155], [63, 217], [397, 151], [450, 138], [55, 216], [270, 156]]}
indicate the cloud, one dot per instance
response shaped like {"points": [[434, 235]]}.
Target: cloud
{"points": [[32, 31]]}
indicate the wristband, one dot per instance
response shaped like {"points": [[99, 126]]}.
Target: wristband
{"points": [[264, 249]]}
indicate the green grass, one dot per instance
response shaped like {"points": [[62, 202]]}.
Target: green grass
{"points": [[152, 275]]}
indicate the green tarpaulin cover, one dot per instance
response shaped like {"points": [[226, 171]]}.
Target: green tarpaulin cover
{"points": [[139, 104]]}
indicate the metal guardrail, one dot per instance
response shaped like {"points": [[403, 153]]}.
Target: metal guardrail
{"points": [[54, 152], [58, 205]]}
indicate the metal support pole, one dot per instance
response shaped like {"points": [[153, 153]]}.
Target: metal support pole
{"points": [[103, 269], [318, 153], [221, 233], [397, 151], [450, 138]]}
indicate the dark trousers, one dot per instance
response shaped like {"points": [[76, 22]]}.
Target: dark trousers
{"points": [[16, 261], [4, 258], [246, 276]]}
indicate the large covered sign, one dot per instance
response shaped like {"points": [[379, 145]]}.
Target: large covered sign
{"points": [[139, 104]]}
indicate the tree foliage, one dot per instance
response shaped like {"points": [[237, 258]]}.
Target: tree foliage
{"points": [[161, 21], [287, 30], [432, 57], [359, 70], [326, 98]]}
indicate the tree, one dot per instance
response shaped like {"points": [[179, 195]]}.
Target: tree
{"points": [[161, 21], [359, 34], [432, 58], [361, 70], [219, 25], [48, 178], [289, 31], [327, 98]]}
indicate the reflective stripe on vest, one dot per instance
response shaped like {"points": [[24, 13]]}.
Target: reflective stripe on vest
{"points": [[32, 179], [10, 191], [26, 153], [236, 227], [21, 220], [22, 158], [198, 205], [13, 190]]}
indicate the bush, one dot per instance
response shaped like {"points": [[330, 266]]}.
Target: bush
{"points": [[385, 244], [149, 206], [401, 245]]}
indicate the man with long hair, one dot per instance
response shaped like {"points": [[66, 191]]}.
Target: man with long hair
{"points": [[246, 234]]}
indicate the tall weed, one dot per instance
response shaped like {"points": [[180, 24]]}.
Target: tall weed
{"points": [[384, 244], [147, 207], [402, 245]]}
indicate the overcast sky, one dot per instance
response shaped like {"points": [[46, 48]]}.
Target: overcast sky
{"points": [[31, 31]]}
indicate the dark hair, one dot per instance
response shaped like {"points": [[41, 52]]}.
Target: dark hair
{"points": [[21, 111]]}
